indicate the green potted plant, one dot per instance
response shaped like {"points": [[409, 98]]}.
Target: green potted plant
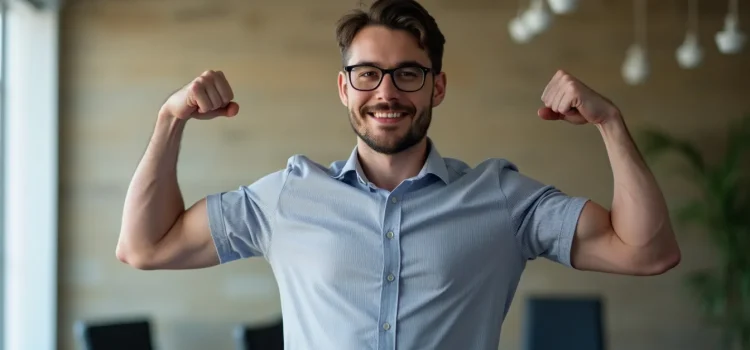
{"points": [[722, 211]]}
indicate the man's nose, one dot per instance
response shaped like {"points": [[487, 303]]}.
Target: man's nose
{"points": [[387, 89]]}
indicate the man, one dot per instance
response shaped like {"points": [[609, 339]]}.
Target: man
{"points": [[395, 247]]}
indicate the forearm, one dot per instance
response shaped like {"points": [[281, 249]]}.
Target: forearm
{"points": [[639, 213], [153, 201]]}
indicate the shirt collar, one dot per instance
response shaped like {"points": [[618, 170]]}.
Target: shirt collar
{"points": [[435, 165]]}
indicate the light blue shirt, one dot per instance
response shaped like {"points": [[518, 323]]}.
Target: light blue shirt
{"points": [[434, 264]]}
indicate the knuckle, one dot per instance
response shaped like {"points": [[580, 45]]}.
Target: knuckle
{"points": [[196, 86], [208, 76], [220, 75]]}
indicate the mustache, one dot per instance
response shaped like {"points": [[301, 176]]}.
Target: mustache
{"points": [[383, 107]]}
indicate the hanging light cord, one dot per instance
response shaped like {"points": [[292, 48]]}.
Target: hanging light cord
{"points": [[640, 12], [693, 16], [734, 9]]}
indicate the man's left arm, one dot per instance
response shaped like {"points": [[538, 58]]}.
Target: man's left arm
{"points": [[635, 236]]}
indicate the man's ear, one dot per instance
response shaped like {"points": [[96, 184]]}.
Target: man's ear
{"points": [[342, 89], [438, 93]]}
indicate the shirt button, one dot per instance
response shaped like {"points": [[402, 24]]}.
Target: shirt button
{"points": [[386, 326], [391, 277], [389, 234], [394, 200]]}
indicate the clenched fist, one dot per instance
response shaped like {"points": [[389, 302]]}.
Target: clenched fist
{"points": [[207, 97], [567, 98]]}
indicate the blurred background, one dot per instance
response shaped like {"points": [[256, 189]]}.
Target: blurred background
{"points": [[83, 79]]}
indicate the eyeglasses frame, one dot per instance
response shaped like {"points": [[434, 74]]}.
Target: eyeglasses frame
{"points": [[384, 72]]}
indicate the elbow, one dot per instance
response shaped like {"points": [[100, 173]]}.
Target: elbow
{"points": [[133, 258], [659, 257], [662, 262]]}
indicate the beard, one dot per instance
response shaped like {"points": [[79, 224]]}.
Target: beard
{"points": [[391, 144]]}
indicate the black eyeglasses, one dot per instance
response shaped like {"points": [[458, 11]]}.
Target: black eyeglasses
{"points": [[365, 77]]}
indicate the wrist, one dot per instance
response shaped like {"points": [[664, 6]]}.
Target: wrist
{"points": [[165, 119], [168, 128], [611, 122]]}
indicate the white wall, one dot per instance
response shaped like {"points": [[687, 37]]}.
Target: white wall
{"points": [[31, 176]]}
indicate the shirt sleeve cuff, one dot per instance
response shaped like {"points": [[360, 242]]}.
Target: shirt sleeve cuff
{"points": [[218, 231], [568, 229]]}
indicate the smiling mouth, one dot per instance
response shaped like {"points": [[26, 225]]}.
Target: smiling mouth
{"points": [[387, 115]]}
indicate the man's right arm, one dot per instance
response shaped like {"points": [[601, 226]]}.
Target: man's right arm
{"points": [[157, 232]]}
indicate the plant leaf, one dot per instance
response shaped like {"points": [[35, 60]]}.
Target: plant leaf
{"points": [[723, 211], [709, 290], [694, 212]]}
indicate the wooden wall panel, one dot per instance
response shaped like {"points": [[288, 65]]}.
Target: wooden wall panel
{"points": [[121, 59]]}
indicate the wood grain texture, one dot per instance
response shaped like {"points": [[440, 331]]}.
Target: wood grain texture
{"points": [[121, 59]]}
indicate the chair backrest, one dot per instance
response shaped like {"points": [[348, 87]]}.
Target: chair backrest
{"points": [[260, 337], [564, 323], [131, 334]]}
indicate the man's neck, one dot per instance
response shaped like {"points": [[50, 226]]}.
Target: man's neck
{"points": [[388, 171]]}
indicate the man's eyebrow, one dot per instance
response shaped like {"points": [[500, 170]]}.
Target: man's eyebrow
{"points": [[409, 63], [365, 63]]}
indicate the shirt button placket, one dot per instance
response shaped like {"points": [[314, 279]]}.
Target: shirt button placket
{"points": [[391, 271]]}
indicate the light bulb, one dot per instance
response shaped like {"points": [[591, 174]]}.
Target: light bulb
{"points": [[731, 39], [518, 31], [536, 17], [562, 7], [635, 68], [689, 54]]}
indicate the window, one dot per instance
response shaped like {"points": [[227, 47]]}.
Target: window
{"points": [[29, 176], [2, 172]]}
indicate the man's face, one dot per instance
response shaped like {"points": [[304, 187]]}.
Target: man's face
{"points": [[386, 118]]}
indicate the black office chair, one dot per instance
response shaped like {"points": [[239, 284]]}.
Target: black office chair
{"points": [[260, 337], [130, 334], [563, 323]]}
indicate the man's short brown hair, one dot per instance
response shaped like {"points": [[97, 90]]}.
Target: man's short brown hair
{"points": [[405, 15]]}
